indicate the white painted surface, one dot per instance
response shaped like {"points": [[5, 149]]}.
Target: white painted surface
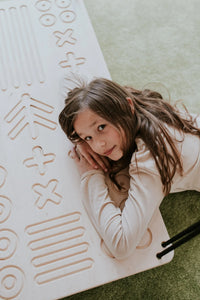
{"points": [[48, 247]]}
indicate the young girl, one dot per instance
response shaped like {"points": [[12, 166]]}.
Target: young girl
{"points": [[115, 127]]}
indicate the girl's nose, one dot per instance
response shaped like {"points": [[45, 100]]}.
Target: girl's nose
{"points": [[100, 144]]}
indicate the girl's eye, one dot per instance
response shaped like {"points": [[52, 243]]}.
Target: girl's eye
{"points": [[101, 127], [87, 138]]}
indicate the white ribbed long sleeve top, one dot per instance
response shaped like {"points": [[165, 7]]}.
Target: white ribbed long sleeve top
{"points": [[122, 229]]}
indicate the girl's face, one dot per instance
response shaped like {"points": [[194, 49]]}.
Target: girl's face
{"points": [[102, 136]]}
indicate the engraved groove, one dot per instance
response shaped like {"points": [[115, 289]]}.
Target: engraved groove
{"points": [[21, 46], [12, 54], [46, 193], [72, 62], [64, 270], [33, 48], [18, 48], [60, 254], [11, 282], [27, 108], [56, 266], [65, 37], [68, 16], [18, 128], [6, 49], [58, 247], [53, 223], [43, 5], [3, 175], [5, 208], [48, 20], [105, 249], [8, 243], [63, 3], [39, 159], [146, 240], [3, 74], [55, 238]]}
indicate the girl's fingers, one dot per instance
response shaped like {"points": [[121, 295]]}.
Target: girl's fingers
{"points": [[73, 154], [102, 162], [92, 158], [106, 162], [70, 154], [91, 161], [96, 161], [77, 155]]}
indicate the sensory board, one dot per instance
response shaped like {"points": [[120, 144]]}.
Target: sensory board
{"points": [[48, 246]]}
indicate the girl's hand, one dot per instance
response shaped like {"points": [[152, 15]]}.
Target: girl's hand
{"points": [[81, 163], [95, 160]]}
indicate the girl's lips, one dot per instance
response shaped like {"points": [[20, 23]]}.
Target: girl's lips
{"points": [[109, 151]]}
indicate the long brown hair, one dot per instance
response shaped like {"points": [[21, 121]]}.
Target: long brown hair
{"points": [[151, 114]]}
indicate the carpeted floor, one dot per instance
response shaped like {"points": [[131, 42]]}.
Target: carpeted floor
{"points": [[155, 43]]}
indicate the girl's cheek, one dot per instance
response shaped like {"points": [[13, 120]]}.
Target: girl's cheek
{"points": [[94, 148]]}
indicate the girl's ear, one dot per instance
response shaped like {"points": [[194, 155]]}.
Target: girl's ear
{"points": [[130, 102]]}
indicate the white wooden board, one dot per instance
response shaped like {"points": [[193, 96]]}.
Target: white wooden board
{"points": [[48, 247]]}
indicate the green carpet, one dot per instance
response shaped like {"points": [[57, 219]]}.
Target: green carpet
{"points": [[147, 42]]}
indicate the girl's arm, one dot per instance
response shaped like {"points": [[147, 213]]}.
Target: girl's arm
{"points": [[122, 230]]}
